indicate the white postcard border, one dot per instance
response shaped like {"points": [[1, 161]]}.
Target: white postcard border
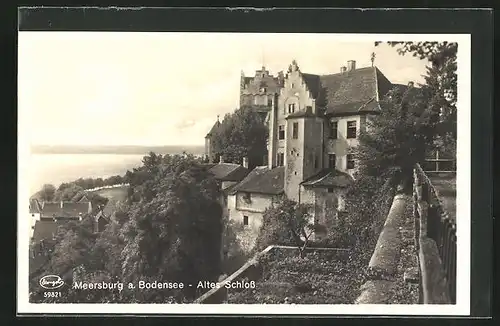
{"points": [[462, 306]]}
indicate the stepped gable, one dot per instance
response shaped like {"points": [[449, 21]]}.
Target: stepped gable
{"points": [[329, 178], [262, 180]]}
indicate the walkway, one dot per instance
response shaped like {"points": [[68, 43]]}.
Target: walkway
{"points": [[446, 186]]}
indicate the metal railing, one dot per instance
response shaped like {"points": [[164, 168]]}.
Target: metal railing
{"points": [[438, 163], [440, 228]]}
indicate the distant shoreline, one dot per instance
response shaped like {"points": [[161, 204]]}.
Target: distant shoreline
{"points": [[117, 150]]}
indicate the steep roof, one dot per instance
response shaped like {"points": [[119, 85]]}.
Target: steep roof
{"points": [[329, 178], [214, 128], [75, 209], [313, 83], [229, 172], [46, 230], [348, 92], [50, 209], [262, 180], [68, 209], [34, 206], [110, 207]]}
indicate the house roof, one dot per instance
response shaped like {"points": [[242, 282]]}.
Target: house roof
{"points": [[46, 230], [75, 209], [50, 209], [84, 199], [110, 207], [34, 206], [69, 209], [301, 114], [329, 178], [348, 92], [229, 172], [214, 128], [262, 180]]}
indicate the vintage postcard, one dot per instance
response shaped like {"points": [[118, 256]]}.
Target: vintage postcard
{"points": [[244, 173]]}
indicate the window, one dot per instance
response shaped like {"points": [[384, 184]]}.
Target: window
{"points": [[295, 130], [330, 190], [333, 130], [291, 108], [350, 162], [351, 129], [281, 159], [247, 197], [332, 161], [270, 102], [316, 162], [293, 85], [281, 132], [341, 203], [245, 220]]}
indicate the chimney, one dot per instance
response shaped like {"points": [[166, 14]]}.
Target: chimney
{"points": [[245, 162], [343, 69], [221, 159], [351, 65], [410, 84]]}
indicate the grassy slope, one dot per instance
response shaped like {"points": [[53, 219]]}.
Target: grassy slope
{"points": [[115, 194]]}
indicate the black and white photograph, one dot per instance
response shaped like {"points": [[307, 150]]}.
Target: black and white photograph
{"points": [[243, 172]]}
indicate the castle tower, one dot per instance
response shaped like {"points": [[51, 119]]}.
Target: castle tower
{"points": [[303, 158]]}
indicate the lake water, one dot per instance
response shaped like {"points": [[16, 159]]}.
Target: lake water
{"points": [[58, 168]]}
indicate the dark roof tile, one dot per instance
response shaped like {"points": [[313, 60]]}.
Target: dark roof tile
{"points": [[215, 127], [69, 209], [46, 230], [262, 180], [329, 178], [313, 84], [348, 92], [229, 172]]}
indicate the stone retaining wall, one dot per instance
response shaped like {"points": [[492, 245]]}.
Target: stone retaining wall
{"points": [[381, 283]]}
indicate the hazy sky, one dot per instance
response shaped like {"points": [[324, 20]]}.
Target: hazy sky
{"points": [[96, 88]]}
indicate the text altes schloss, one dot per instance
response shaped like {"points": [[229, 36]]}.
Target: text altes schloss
{"points": [[227, 285]]}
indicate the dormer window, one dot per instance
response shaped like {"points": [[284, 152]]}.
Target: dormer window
{"points": [[291, 108], [262, 89]]}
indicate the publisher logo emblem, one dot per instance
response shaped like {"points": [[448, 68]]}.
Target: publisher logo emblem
{"points": [[51, 282]]}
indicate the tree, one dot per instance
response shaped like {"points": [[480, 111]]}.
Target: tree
{"points": [[68, 193], [174, 232], [47, 193], [242, 133], [171, 232], [441, 82], [286, 223], [396, 138]]}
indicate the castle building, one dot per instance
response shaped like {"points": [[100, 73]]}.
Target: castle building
{"points": [[314, 121], [260, 93]]}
